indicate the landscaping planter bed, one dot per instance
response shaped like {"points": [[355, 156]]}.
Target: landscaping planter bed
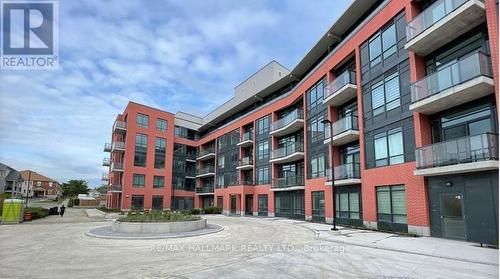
{"points": [[158, 227]]}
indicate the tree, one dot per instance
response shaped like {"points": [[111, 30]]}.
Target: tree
{"points": [[102, 189], [74, 187]]}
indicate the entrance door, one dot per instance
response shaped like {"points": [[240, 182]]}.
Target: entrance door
{"points": [[248, 205], [452, 217], [233, 204]]}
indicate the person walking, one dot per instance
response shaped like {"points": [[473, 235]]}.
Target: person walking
{"points": [[61, 210]]}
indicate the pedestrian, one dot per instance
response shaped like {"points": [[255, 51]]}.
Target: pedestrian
{"points": [[61, 210]]}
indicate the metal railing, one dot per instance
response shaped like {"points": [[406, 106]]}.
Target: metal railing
{"points": [[245, 161], [288, 149], [205, 170], [105, 161], [472, 66], [118, 145], [431, 15], [345, 171], [116, 166], [296, 114], [347, 123], [107, 147], [115, 187], [120, 125], [105, 177], [246, 182], [204, 189], [288, 181], [458, 151], [347, 77], [206, 151], [246, 136], [191, 172]]}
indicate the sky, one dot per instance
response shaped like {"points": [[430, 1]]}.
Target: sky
{"points": [[176, 55]]}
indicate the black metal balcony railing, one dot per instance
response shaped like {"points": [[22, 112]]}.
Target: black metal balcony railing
{"points": [[288, 181], [431, 15], [347, 77], [345, 171], [289, 118], [287, 150], [458, 151], [205, 170], [347, 123], [475, 65], [206, 151], [246, 161], [204, 189], [246, 136]]}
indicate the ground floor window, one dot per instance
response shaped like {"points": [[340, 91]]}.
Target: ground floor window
{"points": [[207, 201], [391, 204], [262, 205], [157, 202], [289, 204], [318, 206], [347, 204], [181, 203], [220, 201], [137, 202]]}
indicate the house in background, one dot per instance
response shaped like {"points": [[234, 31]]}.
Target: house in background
{"points": [[10, 179], [36, 185]]}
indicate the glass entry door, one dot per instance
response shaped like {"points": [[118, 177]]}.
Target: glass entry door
{"points": [[452, 217], [233, 204], [248, 205]]}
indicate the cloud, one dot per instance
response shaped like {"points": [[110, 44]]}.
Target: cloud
{"points": [[174, 55]]}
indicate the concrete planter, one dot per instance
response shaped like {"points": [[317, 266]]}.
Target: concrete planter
{"points": [[157, 227]]}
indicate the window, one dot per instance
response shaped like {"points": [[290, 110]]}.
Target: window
{"points": [[263, 150], [160, 152], [347, 204], [141, 146], [382, 45], [221, 162], [385, 94], [318, 204], [316, 128], [317, 165], [389, 148], [178, 182], [263, 125], [220, 181], [315, 95], [142, 120], [137, 202], [375, 50], [186, 133], [158, 181], [263, 175], [161, 125], [391, 204], [389, 41], [138, 180], [157, 202], [262, 205]]}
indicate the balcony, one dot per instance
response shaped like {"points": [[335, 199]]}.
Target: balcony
{"points": [[117, 166], [461, 82], [246, 139], [105, 177], [206, 154], [190, 173], [462, 155], [120, 127], [205, 190], [291, 123], [289, 153], [344, 130], [205, 172], [288, 183], [105, 162], [118, 146], [114, 188], [191, 157], [441, 23], [347, 174], [246, 182], [245, 164], [341, 90], [107, 147]]}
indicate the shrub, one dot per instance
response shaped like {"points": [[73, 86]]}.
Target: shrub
{"points": [[76, 202], [70, 203], [158, 216], [212, 210], [113, 210], [5, 196], [37, 212], [195, 211]]}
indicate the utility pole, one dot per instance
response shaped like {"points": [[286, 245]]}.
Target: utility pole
{"points": [[28, 188]]}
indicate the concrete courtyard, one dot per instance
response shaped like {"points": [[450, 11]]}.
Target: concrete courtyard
{"points": [[248, 247]]}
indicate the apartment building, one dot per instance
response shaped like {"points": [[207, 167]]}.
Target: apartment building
{"points": [[395, 107], [10, 180], [36, 185]]}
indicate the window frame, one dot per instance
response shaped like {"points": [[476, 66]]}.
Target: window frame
{"points": [[159, 125], [139, 120]]}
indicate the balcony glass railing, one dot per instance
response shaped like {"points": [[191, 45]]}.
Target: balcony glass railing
{"points": [[117, 166], [245, 161], [288, 181], [206, 151], [190, 172], [431, 15], [246, 136], [289, 118], [472, 66], [347, 77], [246, 182], [345, 171], [205, 170], [205, 189], [105, 177], [105, 162], [458, 151], [288, 149], [120, 125], [107, 146], [118, 145], [345, 124], [115, 187]]}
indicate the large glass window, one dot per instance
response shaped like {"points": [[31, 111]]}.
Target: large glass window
{"points": [[142, 120], [385, 94], [315, 95], [138, 180], [347, 204], [263, 150], [375, 50], [161, 125], [263, 175], [391, 204], [389, 148], [318, 204], [158, 181], [141, 146], [389, 41], [160, 152], [262, 202], [316, 128], [157, 202], [382, 45], [317, 166], [263, 125], [137, 202]]}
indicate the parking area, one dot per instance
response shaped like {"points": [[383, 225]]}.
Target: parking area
{"points": [[248, 247]]}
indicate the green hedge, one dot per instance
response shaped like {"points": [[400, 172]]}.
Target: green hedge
{"points": [[37, 212], [105, 209], [212, 210]]}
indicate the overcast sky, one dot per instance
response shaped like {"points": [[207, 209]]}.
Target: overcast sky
{"points": [[173, 55]]}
